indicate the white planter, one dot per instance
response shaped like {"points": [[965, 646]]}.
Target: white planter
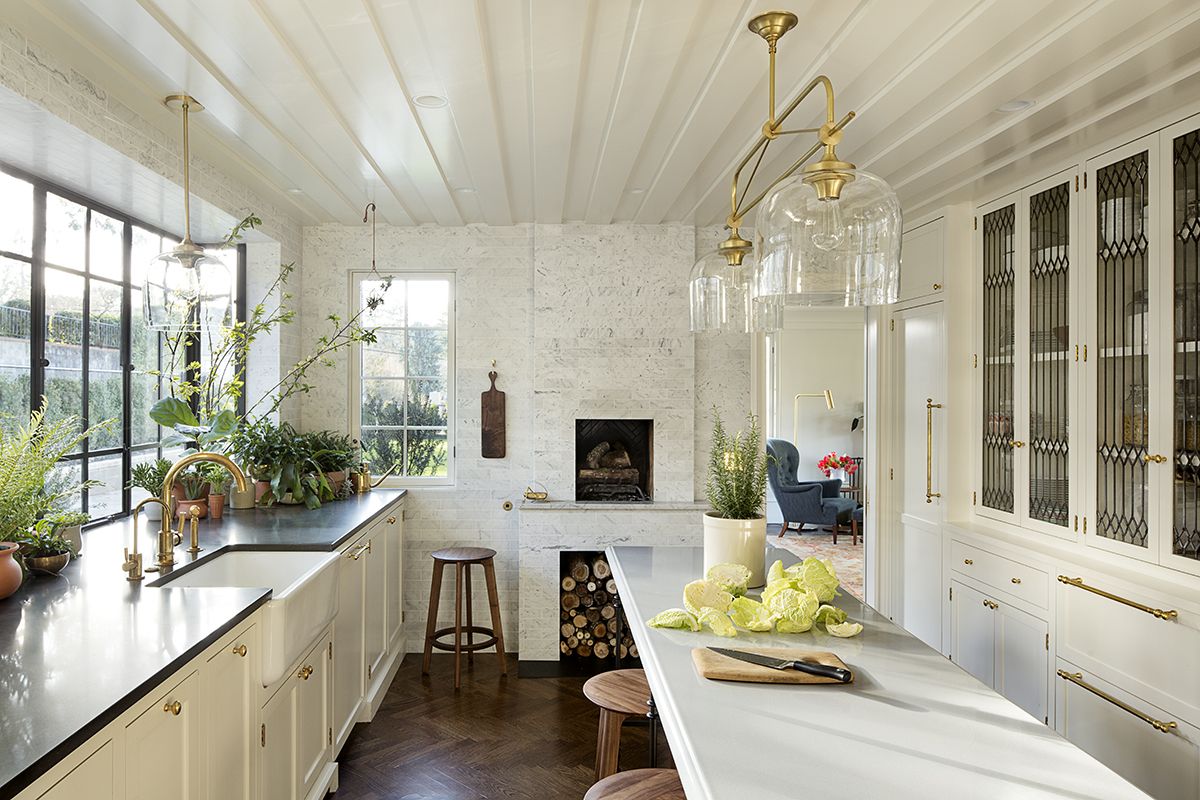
{"points": [[839, 474], [241, 499], [74, 535], [736, 541], [153, 512]]}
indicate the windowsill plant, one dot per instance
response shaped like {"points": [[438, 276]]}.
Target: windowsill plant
{"points": [[218, 479], [149, 477]]}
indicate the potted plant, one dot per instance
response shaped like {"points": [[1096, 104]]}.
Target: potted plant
{"points": [[735, 530], [43, 549], [11, 574], [191, 491], [834, 466], [334, 454], [149, 477], [218, 480], [69, 524]]}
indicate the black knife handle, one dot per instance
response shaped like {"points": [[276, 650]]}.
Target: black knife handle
{"points": [[824, 670]]}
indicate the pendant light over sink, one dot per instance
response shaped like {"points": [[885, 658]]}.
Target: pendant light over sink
{"points": [[828, 233], [185, 289]]}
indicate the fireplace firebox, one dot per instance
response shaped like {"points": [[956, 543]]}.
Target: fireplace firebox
{"points": [[614, 460]]}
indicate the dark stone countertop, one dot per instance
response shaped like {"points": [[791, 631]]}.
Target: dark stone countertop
{"points": [[79, 649]]}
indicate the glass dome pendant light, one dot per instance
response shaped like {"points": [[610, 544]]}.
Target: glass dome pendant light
{"points": [[829, 236], [185, 289]]}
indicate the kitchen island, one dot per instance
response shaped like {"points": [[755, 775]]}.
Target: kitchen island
{"points": [[912, 724]]}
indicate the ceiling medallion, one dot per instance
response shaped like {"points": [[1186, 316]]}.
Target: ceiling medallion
{"points": [[828, 233]]}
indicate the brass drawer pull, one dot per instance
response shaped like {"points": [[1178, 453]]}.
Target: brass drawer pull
{"points": [[1077, 679], [993, 605], [305, 672], [391, 520], [1156, 458], [357, 552], [1016, 580], [968, 561], [1156, 612], [1016, 443], [240, 650], [173, 708]]}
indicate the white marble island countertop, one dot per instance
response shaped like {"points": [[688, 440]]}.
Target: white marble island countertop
{"points": [[912, 725]]}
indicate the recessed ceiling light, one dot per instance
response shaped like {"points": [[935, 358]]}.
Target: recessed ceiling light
{"points": [[295, 190], [430, 101], [1013, 106], [465, 190], [637, 191]]}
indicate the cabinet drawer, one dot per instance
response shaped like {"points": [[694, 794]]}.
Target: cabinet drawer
{"points": [[1118, 729], [1154, 658], [1002, 574]]}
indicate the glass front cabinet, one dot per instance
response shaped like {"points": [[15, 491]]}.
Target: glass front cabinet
{"points": [[1088, 352]]}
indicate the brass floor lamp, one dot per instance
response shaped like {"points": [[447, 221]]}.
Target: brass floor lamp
{"points": [[827, 395]]}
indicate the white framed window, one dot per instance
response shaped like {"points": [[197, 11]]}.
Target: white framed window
{"points": [[402, 386]]}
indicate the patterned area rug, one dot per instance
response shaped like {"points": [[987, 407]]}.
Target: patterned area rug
{"points": [[846, 558]]}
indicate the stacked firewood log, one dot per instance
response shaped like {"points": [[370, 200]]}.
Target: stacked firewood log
{"points": [[589, 615]]}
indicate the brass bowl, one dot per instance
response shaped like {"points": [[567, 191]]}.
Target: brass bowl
{"points": [[48, 565]]}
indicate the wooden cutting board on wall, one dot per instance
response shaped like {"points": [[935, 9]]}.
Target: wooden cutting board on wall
{"points": [[492, 421]]}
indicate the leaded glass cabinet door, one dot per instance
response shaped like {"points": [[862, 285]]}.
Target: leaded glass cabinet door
{"points": [[1123, 243], [1049, 209], [1181, 145], [998, 252]]}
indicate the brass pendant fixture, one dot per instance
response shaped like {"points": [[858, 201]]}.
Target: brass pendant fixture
{"points": [[828, 236], [185, 289]]}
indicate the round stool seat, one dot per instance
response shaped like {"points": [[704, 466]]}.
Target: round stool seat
{"points": [[623, 691], [638, 784], [464, 555]]}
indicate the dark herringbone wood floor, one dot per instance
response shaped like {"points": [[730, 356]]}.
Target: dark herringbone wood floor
{"points": [[511, 738]]}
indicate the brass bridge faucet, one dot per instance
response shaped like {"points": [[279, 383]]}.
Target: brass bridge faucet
{"points": [[166, 537]]}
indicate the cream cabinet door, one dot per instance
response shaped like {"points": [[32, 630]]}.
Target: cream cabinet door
{"points": [[1162, 764], [375, 598], [922, 266], [349, 666], [395, 576], [162, 746], [229, 696], [973, 633], [94, 778], [313, 731], [277, 745], [1022, 659]]}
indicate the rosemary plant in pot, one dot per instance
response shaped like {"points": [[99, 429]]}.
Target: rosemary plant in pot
{"points": [[735, 530]]}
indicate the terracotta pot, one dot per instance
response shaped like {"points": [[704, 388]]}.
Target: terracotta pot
{"points": [[184, 506], [10, 571], [736, 541], [336, 479], [216, 505], [261, 488], [49, 565]]}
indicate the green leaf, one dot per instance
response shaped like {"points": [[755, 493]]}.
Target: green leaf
{"points": [[221, 427], [171, 412]]}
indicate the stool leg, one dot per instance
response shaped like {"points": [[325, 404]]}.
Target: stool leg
{"points": [[608, 743], [652, 717], [458, 603], [854, 531], [435, 594], [489, 574], [470, 622]]}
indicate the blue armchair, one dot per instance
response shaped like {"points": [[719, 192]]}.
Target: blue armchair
{"points": [[806, 502]]}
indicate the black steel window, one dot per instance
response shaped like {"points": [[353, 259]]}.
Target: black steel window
{"points": [[72, 328]]}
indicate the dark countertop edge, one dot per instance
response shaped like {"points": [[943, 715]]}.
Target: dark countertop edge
{"points": [[26, 777]]}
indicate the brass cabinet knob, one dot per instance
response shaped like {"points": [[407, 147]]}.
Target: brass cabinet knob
{"points": [[937, 287], [1016, 580], [1016, 443], [173, 708], [305, 672], [1156, 458], [391, 520], [968, 561], [991, 604], [240, 650]]}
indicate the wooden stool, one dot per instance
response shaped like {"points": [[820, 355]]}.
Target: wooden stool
{"points": [[462, 558], [620, 694], [639, 784]]}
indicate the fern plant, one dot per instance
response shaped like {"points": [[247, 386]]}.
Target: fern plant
{"points": [[737, 471]]}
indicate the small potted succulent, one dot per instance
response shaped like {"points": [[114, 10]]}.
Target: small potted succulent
{"points": [[218, 481], [191, 491], [149, 477], [43, 549], [69, 524]]}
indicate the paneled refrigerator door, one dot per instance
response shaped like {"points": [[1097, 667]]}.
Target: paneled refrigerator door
{"points": [[1125, 362], [1179, 151], [1051, 300], [998, 242]]}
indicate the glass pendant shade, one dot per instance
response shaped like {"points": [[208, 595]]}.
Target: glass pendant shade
{"points": [[720, 294], [186, 291], [842, 251]]}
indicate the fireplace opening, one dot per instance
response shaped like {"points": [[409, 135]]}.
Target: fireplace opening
{"points": [[614, 459]]}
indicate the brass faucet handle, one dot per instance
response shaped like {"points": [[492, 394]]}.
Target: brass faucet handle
{"points": [[194, 514], [133, 566]]}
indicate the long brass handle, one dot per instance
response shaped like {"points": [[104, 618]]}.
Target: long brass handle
{"points": [[357, 552], [1157, 458], [173, 708], [1077, 679], [929, 492], [1156, 612], [240, 650]]}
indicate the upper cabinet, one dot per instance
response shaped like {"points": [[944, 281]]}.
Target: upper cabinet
{"points": [[923, 260], [1026, 353], [1143, 376]]}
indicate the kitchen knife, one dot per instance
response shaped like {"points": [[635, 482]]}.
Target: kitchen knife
{"points": [[823, 670]]}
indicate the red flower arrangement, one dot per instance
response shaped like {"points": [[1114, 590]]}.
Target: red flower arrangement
{"points": [[833, 461]]}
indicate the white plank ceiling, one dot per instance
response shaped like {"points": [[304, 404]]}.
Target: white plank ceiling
{"points": [[622, 110]]}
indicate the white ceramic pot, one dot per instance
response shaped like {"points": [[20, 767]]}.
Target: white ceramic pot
{"points": [[241, 499], [153, 512], [736, 541], [74, 535]]}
